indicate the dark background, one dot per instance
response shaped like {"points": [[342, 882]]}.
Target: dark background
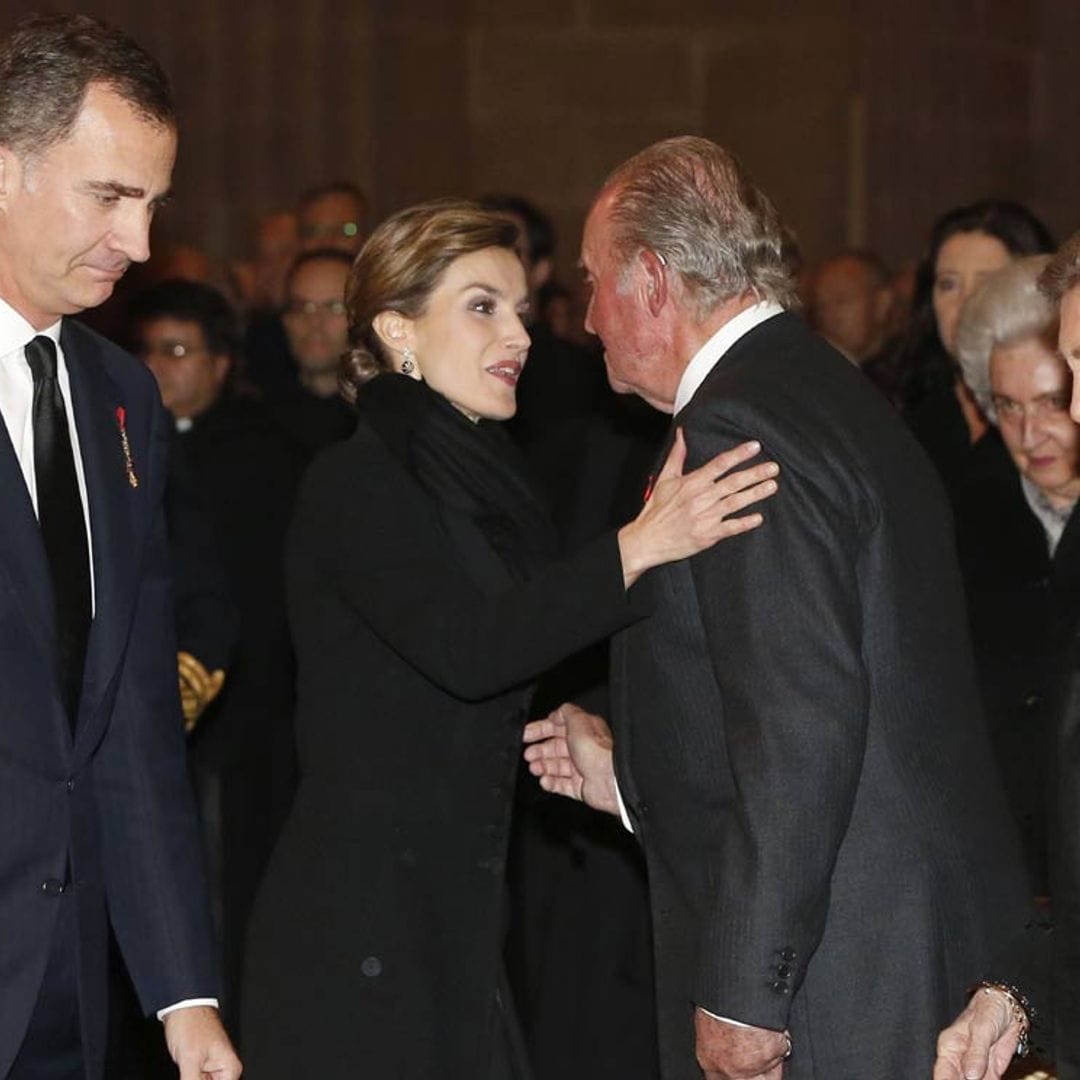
{"points": [[862, 118]]}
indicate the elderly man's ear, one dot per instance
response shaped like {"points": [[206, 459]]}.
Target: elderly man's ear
{"points": [[654, 281]]}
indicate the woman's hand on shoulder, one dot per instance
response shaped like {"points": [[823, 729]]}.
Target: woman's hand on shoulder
{"points": [[688, 512]]}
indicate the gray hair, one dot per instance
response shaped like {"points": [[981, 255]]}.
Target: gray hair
{"points": [[690, 201], [1007, 308]]}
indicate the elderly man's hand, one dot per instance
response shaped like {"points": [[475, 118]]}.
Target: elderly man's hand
{"points": [[731, 1052], [570, 752], [981, 1042]]}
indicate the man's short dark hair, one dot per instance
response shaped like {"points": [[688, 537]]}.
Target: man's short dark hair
{"points": [[539, 231], [317, 255], [190, 301], [47, 62]]}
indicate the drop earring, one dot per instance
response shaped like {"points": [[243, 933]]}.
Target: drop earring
{"points": [[408, 364]]}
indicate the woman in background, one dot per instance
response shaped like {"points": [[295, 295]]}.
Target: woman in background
{"points": [[1019, 536], [425, 595], [966, 244]]}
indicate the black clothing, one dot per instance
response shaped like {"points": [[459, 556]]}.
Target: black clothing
{"points": [[376, 944], [310, 422], [1065, 882], [560, 380], [269, 365], [579, 942], [1022, 607], [243, 748]]}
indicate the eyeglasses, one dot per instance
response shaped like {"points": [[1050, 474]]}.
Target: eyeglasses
{"points": [[169, 350], [315, 307]]}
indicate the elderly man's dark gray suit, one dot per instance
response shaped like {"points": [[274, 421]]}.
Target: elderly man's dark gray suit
{"points": [[800, 744]]}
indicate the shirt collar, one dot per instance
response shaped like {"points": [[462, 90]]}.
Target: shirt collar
{"points": [[16, 333], [709, 355], [1052, 518]]}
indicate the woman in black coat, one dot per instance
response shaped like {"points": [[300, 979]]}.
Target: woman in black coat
{"points": [[424, 596], [1018, 532]]}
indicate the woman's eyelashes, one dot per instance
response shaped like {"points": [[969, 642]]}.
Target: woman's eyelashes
{"points": [[485, 305]]}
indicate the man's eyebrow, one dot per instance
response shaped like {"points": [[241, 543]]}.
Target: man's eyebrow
{"points": [[114, 187], [125, 191]]}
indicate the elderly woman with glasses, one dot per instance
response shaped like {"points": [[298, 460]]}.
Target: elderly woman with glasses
{"points": [[1017, 531]]}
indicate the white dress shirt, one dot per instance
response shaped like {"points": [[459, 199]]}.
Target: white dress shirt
{"points": [[16, 411], [712, 352], [16, 407], [701, 363]]}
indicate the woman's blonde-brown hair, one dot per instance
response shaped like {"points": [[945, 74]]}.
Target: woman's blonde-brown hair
{"points": [[399, 267]]}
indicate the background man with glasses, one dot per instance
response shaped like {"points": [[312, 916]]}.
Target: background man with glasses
{"points": [[310, 411]]}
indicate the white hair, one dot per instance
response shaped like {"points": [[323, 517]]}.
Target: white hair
{"points": [[1006, 309]]}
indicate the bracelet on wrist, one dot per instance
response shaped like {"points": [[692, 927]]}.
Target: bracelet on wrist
{"points": [[1020, 1008]]}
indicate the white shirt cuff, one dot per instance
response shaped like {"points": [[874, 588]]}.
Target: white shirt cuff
{"points": [[726, 1019], [189, 1003], [623, 815]]}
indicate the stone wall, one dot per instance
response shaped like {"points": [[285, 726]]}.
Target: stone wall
{"points": [[862, 118]]}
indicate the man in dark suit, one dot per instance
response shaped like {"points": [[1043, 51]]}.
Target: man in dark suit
{"points": [[98, 821], [798, 744]]}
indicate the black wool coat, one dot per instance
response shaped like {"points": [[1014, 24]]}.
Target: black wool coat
{"points": [[376, 945]]}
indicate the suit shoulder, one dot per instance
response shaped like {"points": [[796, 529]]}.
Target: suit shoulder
{"points": [[811, 409], [123, 368]]}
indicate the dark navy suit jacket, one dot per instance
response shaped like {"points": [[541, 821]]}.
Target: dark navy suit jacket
{"points": [[106, 817]]}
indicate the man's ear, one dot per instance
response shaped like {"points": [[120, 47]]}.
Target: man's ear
{"points": [[222, 363], [654, 282], [394, 330]]}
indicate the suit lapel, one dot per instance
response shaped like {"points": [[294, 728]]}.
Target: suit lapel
{"points": [[96, 399]]}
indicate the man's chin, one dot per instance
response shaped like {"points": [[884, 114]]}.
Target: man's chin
{"points": [[93, 295]]}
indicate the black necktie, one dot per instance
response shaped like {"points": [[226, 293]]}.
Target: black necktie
{"points": [[63, 526]]}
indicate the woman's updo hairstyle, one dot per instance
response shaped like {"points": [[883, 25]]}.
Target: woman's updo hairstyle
{"points": [[399, 267]]}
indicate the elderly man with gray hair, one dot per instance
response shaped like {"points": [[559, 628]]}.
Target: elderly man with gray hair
{"points": [[800, 748]]}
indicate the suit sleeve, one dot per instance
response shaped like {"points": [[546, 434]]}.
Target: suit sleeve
{"points": [[782, 616], [152, 851], [379, 541]]}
